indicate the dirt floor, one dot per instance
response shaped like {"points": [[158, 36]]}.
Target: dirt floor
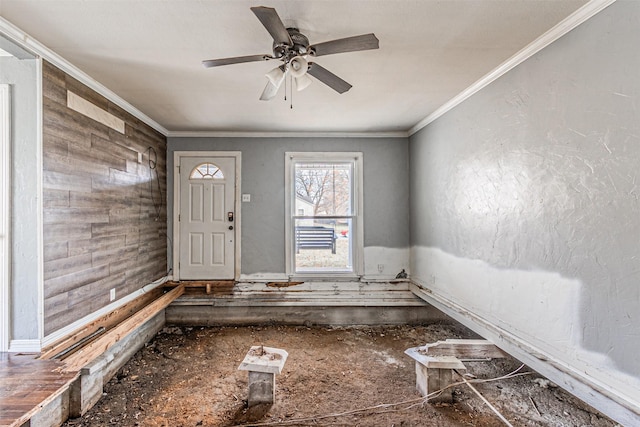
{"points": [[357, 376]]}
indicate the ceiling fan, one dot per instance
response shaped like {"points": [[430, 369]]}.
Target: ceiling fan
{"points": [[292, 48]]}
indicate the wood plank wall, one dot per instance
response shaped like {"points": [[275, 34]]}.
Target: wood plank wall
{"points": [[104, 219]]}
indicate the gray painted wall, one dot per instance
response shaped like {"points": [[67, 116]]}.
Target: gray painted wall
{"points": [[386, 194], [525, 201], [22, 76]]}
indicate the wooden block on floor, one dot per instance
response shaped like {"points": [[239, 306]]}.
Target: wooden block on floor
{"points": [[430, 380], [464, 349], [434, 373]]}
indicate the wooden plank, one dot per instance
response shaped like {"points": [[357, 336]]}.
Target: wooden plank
{"points": [[464, 349], [53, 74], [66, 317], [66, 181], [219, 300], [102, 257], [434, 362], [64, 266], [53, 90], [56, 250], [74, 280], [106, 229], [28, 386], [113, 148], [86, 165], [57, 122], [55, 145], [74, 215], [53, 198], [85, 246], [108, 198], [99, 157], [87, 93], [89, 109], [107, 321], [61, 232], [78, 360]]}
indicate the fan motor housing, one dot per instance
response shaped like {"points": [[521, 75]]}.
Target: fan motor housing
{"points": [[300, 46]]}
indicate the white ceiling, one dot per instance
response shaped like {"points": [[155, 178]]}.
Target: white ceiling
{"points": [[149, 52]]}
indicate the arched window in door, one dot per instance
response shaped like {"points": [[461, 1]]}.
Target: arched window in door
{"points": [[206, 171]]}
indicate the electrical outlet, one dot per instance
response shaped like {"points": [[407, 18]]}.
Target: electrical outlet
{"points": [[246, 197], [112, 294], [380, 268]]}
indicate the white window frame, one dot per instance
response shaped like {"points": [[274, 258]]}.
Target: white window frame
{"points": [[5, 223], [291, 158]]}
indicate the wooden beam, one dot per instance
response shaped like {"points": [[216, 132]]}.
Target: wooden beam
{"points": [[464, 349], [215, 287], [78, 360], [201, 283], [107, 321]]}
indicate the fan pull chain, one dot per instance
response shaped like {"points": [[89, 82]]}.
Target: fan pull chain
{"points": [[291, 89]]}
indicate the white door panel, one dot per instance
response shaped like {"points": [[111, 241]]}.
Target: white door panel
{"points": [[206, 232]]}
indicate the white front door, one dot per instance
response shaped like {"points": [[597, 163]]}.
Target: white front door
{"points": [[207, 218]]}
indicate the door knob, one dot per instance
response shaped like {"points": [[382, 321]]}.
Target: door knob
{"points": [[231, 227]]}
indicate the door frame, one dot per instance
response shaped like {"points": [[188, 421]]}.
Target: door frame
{"points": [[5, 205], [177, 156]]}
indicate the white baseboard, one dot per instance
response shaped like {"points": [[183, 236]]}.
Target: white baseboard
{"points": [[619, 407], [24, 346]]}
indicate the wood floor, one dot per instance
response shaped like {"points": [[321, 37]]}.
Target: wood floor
{"points": [[27, 384]]}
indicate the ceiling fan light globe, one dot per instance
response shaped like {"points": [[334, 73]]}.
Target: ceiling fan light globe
{"points": [[303, 82], [269, 92], [275, 76], [298, 66]]}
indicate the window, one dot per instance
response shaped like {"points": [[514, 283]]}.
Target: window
{"points": [[324, 213], [206, 171]]}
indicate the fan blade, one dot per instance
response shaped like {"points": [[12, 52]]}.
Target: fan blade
{"points": [[328, 78], [269, 92], [272, 22], [349, 44], [235, 60]]}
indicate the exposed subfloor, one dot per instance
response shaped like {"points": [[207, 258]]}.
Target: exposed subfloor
{"points": [[187, 376]]}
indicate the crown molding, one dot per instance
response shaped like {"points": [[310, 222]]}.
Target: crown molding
{"points": [[239, 134], [34, 46], [563, 27]]}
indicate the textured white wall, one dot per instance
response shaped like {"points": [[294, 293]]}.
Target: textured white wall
{"points": [[525, 206]]}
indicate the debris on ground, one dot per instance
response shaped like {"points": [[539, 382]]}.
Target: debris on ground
{"points": [[356, 376]]}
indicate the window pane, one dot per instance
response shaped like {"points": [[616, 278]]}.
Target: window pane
{"points": [[206, 171], [324, 189], [323, 245]]}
